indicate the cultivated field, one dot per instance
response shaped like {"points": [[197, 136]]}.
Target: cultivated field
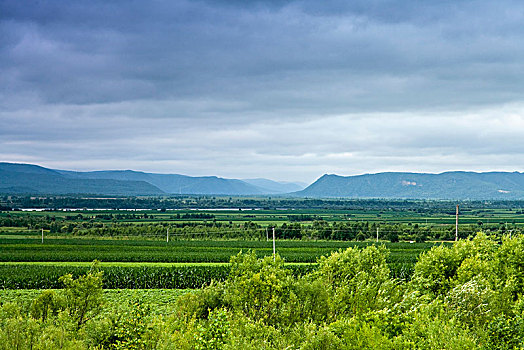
{"points": [[27, 263], [167, 278]]}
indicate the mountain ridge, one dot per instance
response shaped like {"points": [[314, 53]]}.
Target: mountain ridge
{"points": [[40, 180], [409, 185], [34, 179], [30, 178]]}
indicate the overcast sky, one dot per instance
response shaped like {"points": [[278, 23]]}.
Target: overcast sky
{"points": [[287, 90]]}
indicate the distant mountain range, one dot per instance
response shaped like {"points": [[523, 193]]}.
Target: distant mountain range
{"points": [[34, 179], [448, 185]]}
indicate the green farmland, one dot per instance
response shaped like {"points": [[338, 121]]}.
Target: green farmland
{"points": [[27, 263], [196, 251], [207, 279], [202, 240], [254, 218]]}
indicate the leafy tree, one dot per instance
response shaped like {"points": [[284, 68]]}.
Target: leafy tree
{"points": [[258, 288], [83, 296], [357, 279]]}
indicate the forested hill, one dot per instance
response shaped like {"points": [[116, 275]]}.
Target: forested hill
{"points": [[174, 183], [448, 185], [34, 179]]}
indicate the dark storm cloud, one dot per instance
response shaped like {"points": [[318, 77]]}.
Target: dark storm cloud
{"points": [[336, 56], [340, 86]]}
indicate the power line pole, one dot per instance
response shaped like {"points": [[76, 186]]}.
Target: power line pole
{"points": [[377, 233], [167, 235], [457, 224], [42, 236], [267, 235], [274, 254]]}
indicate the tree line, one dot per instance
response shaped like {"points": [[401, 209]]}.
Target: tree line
{"points": [[318, 230]]}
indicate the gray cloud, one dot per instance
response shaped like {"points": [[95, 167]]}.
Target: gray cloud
{"points": [[284, 89]]}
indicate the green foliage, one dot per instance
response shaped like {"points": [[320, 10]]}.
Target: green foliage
{"points": [[53, 318], [47, 303], [509, 265], [311, 301], [442, 268], [435, 269], [353, 333], [358, 279], [505, 333], [209, 251], [201, 302], [480, 283], [471, 302], [259, 288], [321, 338], [215, 332], [190, 276], [465, 296], [133, 329], [83, 295], [431, 328]]}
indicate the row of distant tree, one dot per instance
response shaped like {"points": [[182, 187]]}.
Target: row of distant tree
{"points": [[181, 202], [319, 229]]}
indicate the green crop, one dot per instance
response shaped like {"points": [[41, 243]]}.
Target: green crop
{"points": [[73, 250], [32, 276]]}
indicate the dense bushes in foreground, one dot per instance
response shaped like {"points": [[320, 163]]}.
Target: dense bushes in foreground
{"points": [[466, 296]]}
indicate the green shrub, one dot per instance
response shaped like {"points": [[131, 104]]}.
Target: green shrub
{"points": [[357, 279], [505, 333], [47, 303], [199, 303], [83, 296], [470, 302], [131, 329], [214, 332], [259, 288], [442, 268], [431, 328]]}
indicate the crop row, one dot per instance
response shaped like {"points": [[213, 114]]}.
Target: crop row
{"points": [[13, 276], [180, 255], [63, 240], [184, 251], [116, 255]]}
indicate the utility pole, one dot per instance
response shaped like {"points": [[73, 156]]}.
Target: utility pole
{"points": [[274, 254], [167, 235], [267, 235], [42, 236], [457, 225], [377, 233]]}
